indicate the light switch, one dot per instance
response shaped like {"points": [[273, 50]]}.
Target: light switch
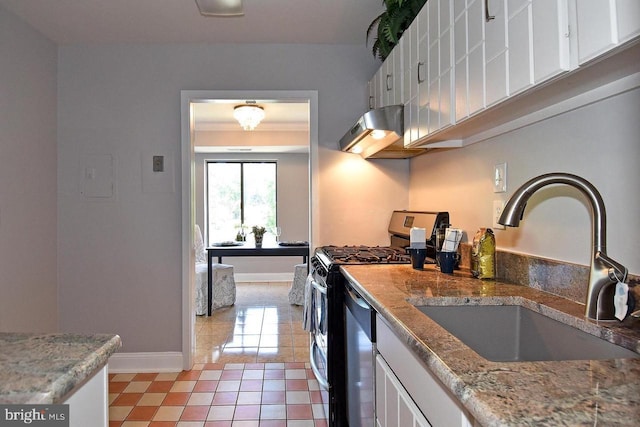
{"points": [[500, 178], [158, 163]]}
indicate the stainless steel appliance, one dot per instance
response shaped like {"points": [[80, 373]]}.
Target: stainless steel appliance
{"points": [[379, 134], [328, 340], [360, 338]]}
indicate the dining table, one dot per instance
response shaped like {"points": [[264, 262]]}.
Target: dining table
{"points": [[246, 249]]}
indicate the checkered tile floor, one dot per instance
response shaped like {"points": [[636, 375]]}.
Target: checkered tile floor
{"points": [[248, 373], [217, 395]]}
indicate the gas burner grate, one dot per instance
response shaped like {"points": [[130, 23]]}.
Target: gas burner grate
{"points": [[367, 254]]}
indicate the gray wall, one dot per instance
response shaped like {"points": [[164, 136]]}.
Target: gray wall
{"points": [[119, 259], [599, 142], [28, 279], [292, 206]]}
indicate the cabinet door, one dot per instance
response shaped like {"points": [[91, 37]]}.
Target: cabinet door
{"points": [[495, 46], [550, 20], [596, 28], [371, 86], [520, 47], [394, 406], [628, 19], [410, 83], [447, 88], [469, 60], [422, 74], [460, 58]]}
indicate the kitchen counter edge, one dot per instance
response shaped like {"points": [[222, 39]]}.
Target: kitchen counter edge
{"points": [[46, 368]]}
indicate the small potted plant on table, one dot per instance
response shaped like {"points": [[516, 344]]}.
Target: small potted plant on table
{"points": [[258, 234]]}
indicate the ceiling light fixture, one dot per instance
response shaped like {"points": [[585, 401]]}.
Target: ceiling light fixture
{"points": [[220, 7], [249, 115]]}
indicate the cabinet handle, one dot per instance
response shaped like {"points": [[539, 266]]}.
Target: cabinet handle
{"points": [[389, 86], [487, 16], [420, 66]]}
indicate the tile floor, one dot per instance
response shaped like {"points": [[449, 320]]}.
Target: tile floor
{"points": [[251, 370]]}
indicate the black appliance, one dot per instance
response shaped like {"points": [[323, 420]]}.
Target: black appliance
{"points": [[328, 342]]}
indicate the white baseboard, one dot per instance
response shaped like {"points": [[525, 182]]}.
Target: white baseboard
{"points": [[164, 361], [263, 277]]}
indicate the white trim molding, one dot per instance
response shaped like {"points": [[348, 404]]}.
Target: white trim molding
{"points": [[166, 361]]}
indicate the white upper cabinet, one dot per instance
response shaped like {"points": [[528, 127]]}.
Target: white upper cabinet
{"points": [[441, 102], [422, 78], [410, 82], [461, 57], [596, 28], [469, 54], [393, 77], [628, 19], [520, 42], [551, 53], [495, 47], [604, 24]]}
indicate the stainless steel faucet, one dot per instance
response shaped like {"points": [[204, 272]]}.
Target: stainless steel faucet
{"points": [[604, 271]]}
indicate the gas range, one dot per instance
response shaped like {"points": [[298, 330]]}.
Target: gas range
{"points": [[328, 287], [330, 258]]}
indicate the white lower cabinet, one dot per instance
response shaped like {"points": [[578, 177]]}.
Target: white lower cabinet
{"points": [[89, 404], [407, 393], [394, 406]]}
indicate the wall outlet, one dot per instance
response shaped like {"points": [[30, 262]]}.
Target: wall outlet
{"points": [[500, 178], [498, 207]]}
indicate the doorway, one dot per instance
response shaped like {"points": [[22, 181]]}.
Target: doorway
{"points": [[189, 99]]}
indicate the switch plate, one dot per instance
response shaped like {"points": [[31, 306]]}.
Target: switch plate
{"points": [[500, 178], [158, 163], [498, 207]]}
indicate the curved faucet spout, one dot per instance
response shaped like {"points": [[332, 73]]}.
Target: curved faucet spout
{"points": [[603, 270]]}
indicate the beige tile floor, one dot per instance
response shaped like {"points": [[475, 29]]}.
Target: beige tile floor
{"points": [[261, 327]]}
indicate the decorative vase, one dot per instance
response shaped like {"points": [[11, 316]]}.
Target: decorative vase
{"points": [[258, 241]]}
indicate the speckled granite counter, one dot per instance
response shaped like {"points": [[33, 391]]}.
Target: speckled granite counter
{"points": [[44, 368], [582, 392]]}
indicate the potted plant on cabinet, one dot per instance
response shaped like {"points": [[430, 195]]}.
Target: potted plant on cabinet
{"points": [[388, 27]]}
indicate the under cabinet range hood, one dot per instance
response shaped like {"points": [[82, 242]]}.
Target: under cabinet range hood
{"points": [[379, 134]]}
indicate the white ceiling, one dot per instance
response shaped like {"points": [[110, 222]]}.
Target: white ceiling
{"points": [[87, 22], [179, 21]]}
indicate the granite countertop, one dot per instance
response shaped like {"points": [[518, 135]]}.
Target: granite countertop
{"points": [[576, 392], [45, 368]]}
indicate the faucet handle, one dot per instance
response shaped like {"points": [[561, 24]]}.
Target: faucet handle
{"points": [[616, 272]]}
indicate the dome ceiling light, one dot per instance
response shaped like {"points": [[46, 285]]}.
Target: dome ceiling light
{"points": [[220, 7], [249, 115]]}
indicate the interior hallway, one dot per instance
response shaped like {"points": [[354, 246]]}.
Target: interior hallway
{"points": [[251, 370]]}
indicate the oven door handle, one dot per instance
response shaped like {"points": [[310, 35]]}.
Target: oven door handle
{"points": [[314, 367]]}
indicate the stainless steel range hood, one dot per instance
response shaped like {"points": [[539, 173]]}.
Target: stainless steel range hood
{"points": [[379, 134]]}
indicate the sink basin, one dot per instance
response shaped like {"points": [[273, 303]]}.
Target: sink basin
{"points": [[511, 333]]}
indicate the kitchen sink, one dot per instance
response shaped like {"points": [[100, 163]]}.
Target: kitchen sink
{"points": [[511, 333]]}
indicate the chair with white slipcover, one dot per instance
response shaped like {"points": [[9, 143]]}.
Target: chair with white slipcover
{"points": [[224, 285]]}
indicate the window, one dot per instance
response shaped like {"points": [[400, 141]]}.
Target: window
{"points": [[239, 193]]}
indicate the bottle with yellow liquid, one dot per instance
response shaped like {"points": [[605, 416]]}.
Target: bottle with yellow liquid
{"points": [[483, 254]]}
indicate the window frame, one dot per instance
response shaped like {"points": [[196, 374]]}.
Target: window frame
{"points": [[242, 163]]}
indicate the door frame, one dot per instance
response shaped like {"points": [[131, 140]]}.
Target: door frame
{"points": [[187, 154]]}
